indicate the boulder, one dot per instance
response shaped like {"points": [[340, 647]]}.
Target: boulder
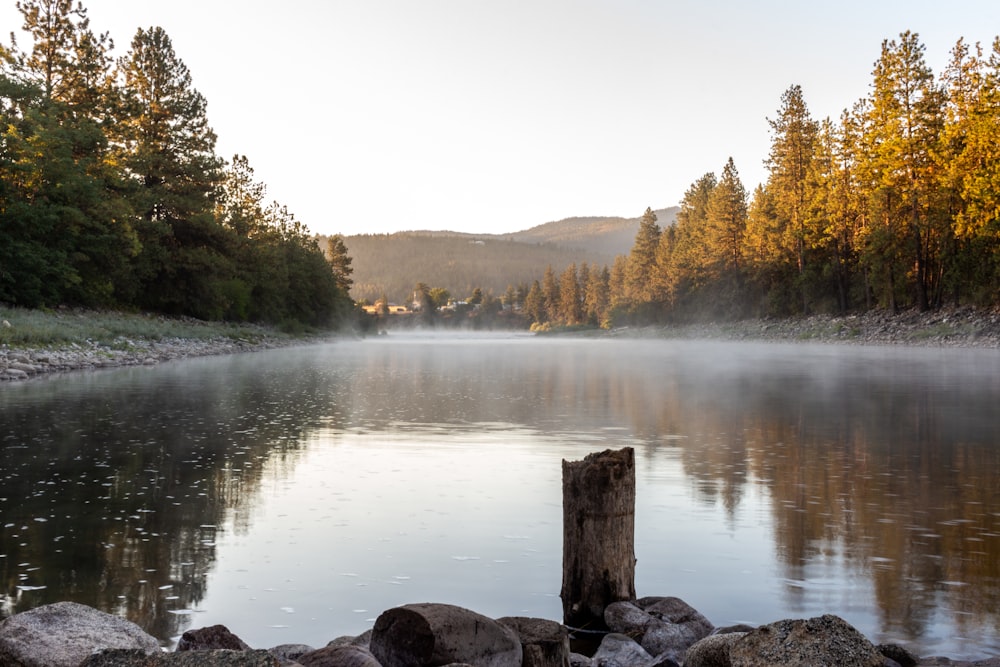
{"points": [[663, 626], [626, 618], [64, 634], [899, 654], [210, 658], [339, 656], [677, 611], [712, 651], [439, 634], [826, 640], [618, 650], [290, 652], [544, 643], [212, 637]]}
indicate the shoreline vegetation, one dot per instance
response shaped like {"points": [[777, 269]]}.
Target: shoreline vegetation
{"points": [[40, 342]]}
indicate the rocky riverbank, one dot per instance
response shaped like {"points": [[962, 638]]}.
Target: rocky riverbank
{"points": [[648, 632], [36, 343], [954, 327], [24, 359], [22, 364]]}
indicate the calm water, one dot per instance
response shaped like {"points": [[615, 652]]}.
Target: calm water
{"points": [[293, 495]]}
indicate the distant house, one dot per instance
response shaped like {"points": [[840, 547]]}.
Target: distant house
{"points": [[392, 308]]}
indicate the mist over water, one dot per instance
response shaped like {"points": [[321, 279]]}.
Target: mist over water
{"points": [[293, 495]]}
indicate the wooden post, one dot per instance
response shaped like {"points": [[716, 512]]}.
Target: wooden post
{"points": [[598, 535]]}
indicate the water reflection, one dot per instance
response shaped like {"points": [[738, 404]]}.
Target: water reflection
{"points": [[303, 491]]}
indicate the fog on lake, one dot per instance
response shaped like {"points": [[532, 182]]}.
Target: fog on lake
{"points": [[294, 494]]}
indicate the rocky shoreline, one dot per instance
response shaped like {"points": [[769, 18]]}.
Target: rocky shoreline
{"points": [[22, 364], [953, 327], [647, 632], [956, 327]]}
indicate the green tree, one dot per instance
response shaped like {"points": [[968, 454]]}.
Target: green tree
{"points": [[789, 184], [534, 304], [727, 221], [905, 122], [340, 261], [550, 294], [570, 300], [168, 147], [683, 258], [969, 161], [70, 221], [596, 299], [640, 268]]}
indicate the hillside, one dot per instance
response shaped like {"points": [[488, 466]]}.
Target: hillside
{"points": [[392, 264]]}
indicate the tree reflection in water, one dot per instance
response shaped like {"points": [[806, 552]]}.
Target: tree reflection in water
{"points": [[877, 468]]}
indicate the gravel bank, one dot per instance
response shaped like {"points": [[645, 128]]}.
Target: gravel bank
{"points": [[22, 364], [941, 328]]}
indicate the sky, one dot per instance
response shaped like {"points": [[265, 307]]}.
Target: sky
{"points": [[494, 116]]}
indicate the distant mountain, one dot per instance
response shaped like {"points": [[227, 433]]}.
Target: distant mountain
{"points": [[609, 236], [392, 264]]}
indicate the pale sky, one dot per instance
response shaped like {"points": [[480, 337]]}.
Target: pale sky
{"points": [[371, 116]]}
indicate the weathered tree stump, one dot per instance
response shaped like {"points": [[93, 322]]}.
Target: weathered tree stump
{"points": [[598, 535]]}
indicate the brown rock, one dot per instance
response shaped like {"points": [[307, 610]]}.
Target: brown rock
{"points": [[212, 637]]}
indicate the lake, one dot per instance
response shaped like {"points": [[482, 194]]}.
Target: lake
{"points": [[295, 494]]}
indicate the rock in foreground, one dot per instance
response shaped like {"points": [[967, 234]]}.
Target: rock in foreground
{"points": [[439, 634], [64, 634]]}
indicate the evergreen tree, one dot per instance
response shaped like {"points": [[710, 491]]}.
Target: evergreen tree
{"points": [[790, 168], [550, 294], [597, 296], [341, 262], [905, 122], [168, 147], [534, 304], [639, 271], [73, 225], [570, 302]]}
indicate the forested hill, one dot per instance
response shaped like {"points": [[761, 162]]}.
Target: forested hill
{"points": [[609, 236], [392, 264]]}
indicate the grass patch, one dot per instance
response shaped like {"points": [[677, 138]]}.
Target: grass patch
{"points": [[58, 328]]}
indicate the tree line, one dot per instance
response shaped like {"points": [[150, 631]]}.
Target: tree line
{"points": [[112, 194], [894, 205]]}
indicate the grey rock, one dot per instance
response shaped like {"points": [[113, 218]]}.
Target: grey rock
{"points": [[438, 634], [663, 661], [618, 650], [673, 639], [64, 634], [580, 660], [899, 654], [212, 637], [213, 658], [339, 656], [823, 641], [626, 618], [712, 651], [364, 639], [544, 643], [290, 651], [727, 629], [676, 610]]}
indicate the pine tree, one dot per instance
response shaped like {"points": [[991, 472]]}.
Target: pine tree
{"points": [[789, 188], [570, 302], [905, 123], [340, 261], [169, 148], [639, 271]]}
